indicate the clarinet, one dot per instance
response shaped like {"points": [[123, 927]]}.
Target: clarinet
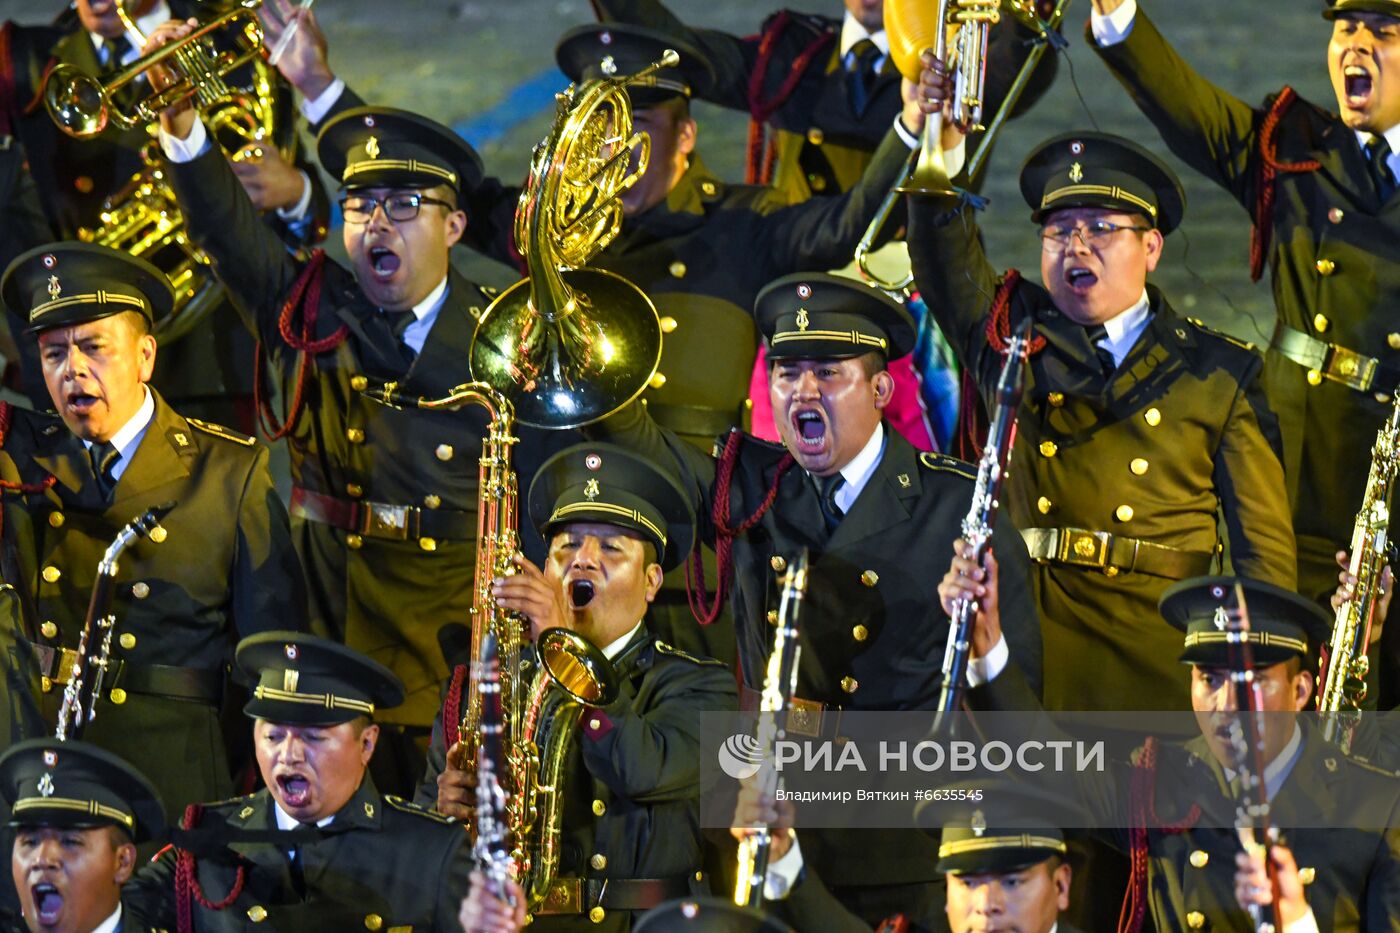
{"points": [[92, 660], [1247, 742], [981, 515], [491, 851], [779, 684]]}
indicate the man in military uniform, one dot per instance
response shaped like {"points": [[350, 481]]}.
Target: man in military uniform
{"points": [[1184, 836], [220, 563], [615, 523], [383, 501], [1317, 184], [78, 813], [866, 505], [208, 374], [318, 848], [1136, 424]]}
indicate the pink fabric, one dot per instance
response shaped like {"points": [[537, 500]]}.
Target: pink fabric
{"points": [[905, 411]]}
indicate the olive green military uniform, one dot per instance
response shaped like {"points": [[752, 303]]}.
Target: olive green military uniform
{"points": [[223, 567]]}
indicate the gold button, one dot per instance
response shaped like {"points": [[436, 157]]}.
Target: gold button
{"points": [[359, 383], [1314, 378], [597, 913], [860, 633], [772, 617], [598, 862], [1320, 322], [140, 589], [1307, 875], [668, 324], [1326, 267], [48, 630], [117, 696], [595, 724], [373, 922], [815, 136], [657, 380], [1044, 505], [1335, 215], [431, 501], [1048, 448], [1124, 513], [816, 182], [1200, 858], [1152, 416], [51, 574], [45, 684], [1392, 340], [870, 578], [1383, 398], [354, 542], [56, 518], [777, 563], [677, 269], [128, 640], [1138, 466], [599, 808], [708, 187], [428, 544], [257, 913], [354, 490], [849, 684], [1195, 920], [158, 534], [444, 452], [1056, 399], [355, 436]]}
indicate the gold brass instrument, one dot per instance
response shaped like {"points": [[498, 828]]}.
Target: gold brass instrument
{"points": [[911, 32], [570, 345], [1343, 674]]}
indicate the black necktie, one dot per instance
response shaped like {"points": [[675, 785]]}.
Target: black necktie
{"points": [[387, 327], [1378, 152], [860, 76], [104, 457], [113, 51], [1106, 361], [826, 494]]}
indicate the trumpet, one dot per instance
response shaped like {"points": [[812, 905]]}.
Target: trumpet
{"points": [[84, 106]]}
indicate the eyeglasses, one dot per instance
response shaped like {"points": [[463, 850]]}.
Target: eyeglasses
{"points": [[359, 208], [1094, 234]]}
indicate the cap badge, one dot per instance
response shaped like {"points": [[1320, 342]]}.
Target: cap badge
{"points": [[290, 651], [1076, 173], [49, 260], [802, 320], [593, 461], [978, 823], [55, 289], [372, 147], [1222, 618], [369, 120], [804, 291], [50, 758], [1217, 592], [1076, 147], [46, 785], [590, 490], [605, 37], [608, 65], [289, 680]]}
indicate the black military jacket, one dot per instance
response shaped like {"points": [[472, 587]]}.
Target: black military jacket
{"points": [[1179, 431], [632, 781], [1335, 261], [224, 569], [381, 864], [384, 597]]}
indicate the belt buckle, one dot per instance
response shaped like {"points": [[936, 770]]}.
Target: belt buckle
{"points": [[1352, 369], [565, 896], [804, 717], [63, 670], [1083, 548], [382, 520]]}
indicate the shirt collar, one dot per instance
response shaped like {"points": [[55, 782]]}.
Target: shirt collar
{"points": [[615, 649], [432, 302], [287, 822], [1129, 321], [111, 923], [1392, 136], [1277, 771], [852, 32], [857, 473], [160, 13], [129, 437]]}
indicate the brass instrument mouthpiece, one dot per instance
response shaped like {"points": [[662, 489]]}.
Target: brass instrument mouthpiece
{"points": [[581, 593]]}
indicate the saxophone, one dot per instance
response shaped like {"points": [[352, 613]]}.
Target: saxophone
{"points": [[1344, 665]]}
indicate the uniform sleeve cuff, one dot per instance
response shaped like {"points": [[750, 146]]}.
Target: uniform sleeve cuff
{"points": [[1115, 27], [954, 159], [1304, 924], [784, 873], [315, 110], [188, 149], [986, 669], [298, 210]]}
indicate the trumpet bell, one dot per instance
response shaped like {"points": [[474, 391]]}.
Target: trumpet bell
{"points": [[76, 101], [577, 667], [574, 368], [913, 27]]}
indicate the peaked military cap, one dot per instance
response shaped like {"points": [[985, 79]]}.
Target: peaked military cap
{"points": [[1008, 829], [61, 284], [813, 315], [46, 782], [305, 680], [1282, 624], [707, 915], [610, 484], [379, 147], [1337, 7], [1101, 170], [614, 50]]}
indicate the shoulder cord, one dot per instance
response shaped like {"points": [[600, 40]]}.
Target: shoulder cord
{"points": [[1142, 813], [760, 164], [187, 885], [973, 433], [1261, 236]]}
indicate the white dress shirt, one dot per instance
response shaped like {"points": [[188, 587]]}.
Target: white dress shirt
{"points": [[615, 648], [1125, 328], [858, 472], [128, 438], [159, 13], [426, 312], [111, 923]]}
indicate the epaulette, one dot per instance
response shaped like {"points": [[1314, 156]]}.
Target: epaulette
{"points": [[490, 291], [756, 441], [813, 22], [1201, 326], [219, 430], [408, 806], [948, 464], [242, 805], [1363, 762], [675, 652]]}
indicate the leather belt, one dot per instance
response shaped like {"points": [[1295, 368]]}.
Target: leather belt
{"points": [[1330, 361], [201, 685], [694, 419], [1113, 554], [804, 717], [581, 895], [382, 520]]}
